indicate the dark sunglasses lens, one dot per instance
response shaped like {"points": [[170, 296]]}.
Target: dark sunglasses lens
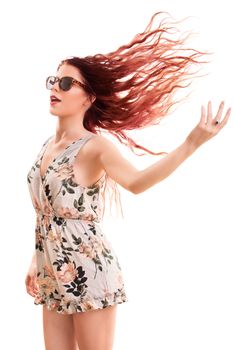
{"points": [[50, 82], [65, 83]]}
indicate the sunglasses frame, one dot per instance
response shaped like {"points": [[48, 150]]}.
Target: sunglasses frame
{"points": [[73, 81]]}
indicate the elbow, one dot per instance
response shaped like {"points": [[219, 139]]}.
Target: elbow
{"points": [[136, 185], [133, 188], [136, 192]]}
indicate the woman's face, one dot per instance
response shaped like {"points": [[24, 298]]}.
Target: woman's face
{"points": [[74, 101]]}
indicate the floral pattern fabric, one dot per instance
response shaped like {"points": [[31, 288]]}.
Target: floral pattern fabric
{"points": [[77, 267]]}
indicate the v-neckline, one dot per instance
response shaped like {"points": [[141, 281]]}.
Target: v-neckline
{"points": [[42, 178]]}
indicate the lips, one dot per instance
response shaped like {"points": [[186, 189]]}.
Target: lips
{"points": [[54, 98]]}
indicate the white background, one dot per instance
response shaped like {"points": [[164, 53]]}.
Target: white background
{"points": [[175, 241]]}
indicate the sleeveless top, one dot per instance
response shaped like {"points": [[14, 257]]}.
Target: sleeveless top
{"points": [[77, 267]]}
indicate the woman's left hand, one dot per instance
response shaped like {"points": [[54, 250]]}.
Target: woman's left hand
{"points": [[208, 126]]}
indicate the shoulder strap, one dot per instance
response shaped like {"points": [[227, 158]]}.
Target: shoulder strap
{"points": [[44, 144], [46, 141], [75, 148]]}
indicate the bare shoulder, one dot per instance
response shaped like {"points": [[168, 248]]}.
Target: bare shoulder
{"points": [[100, 144]]}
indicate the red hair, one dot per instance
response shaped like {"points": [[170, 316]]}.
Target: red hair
{"points": [[135, 85]]}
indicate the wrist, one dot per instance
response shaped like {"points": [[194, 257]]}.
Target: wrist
{"points": [[190, 145]]}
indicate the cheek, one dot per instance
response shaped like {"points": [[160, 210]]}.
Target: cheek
{"points": [[72, 103]]}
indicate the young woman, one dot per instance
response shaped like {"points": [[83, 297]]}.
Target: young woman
{"points": [[75, 273]]}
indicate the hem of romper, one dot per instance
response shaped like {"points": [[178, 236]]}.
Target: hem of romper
{"points": [[72, 306]]}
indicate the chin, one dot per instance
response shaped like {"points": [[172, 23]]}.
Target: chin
{"points": [[53, 110]]}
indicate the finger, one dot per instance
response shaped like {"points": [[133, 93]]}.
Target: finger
{"points": [[202, 120], [31, 287], [31, 291], [219, 113], [34, 284], [225, 119], [209, 113]]}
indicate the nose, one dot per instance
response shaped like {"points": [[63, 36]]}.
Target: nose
{"points": [[56, 86]]}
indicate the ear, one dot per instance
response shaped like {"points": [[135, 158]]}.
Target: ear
{"points": [[92, 98], [89, 100]]}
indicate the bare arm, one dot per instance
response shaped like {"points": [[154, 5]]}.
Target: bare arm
{"points": [[163, 168], [137, 181]]}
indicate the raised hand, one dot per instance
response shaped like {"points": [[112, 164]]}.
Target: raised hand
{"points": [[208, 125]]}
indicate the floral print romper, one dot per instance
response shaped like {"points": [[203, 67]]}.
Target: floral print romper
{"points": [[77, 268]]}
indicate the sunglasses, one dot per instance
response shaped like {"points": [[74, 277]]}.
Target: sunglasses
{"points": [[65, 83]]}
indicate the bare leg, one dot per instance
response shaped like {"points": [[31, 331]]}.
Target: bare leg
{"points": [[94, 329], [58, 331]]}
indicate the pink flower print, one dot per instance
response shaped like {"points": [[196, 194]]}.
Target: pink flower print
{"points": [[54, 305], [67, 212], [38, 237], [97, 245], [46, 285], [46, 209], [49, 271], [54, 235], [88, 305], [87, 250], [67, 273], [64, 171], [86, 217], [46, 221]]}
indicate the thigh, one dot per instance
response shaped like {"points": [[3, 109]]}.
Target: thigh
{"points": [[94, 329], [58, 331]]}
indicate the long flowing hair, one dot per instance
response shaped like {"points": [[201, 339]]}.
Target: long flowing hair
{"points": [[135, 85]]}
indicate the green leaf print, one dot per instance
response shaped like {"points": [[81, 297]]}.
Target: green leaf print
{"points": [[76, 240], [69, 190], [80, 200], [71, 182], [107, 250], [92, 192], [81, 209], [64, 160], [76, 203]]}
